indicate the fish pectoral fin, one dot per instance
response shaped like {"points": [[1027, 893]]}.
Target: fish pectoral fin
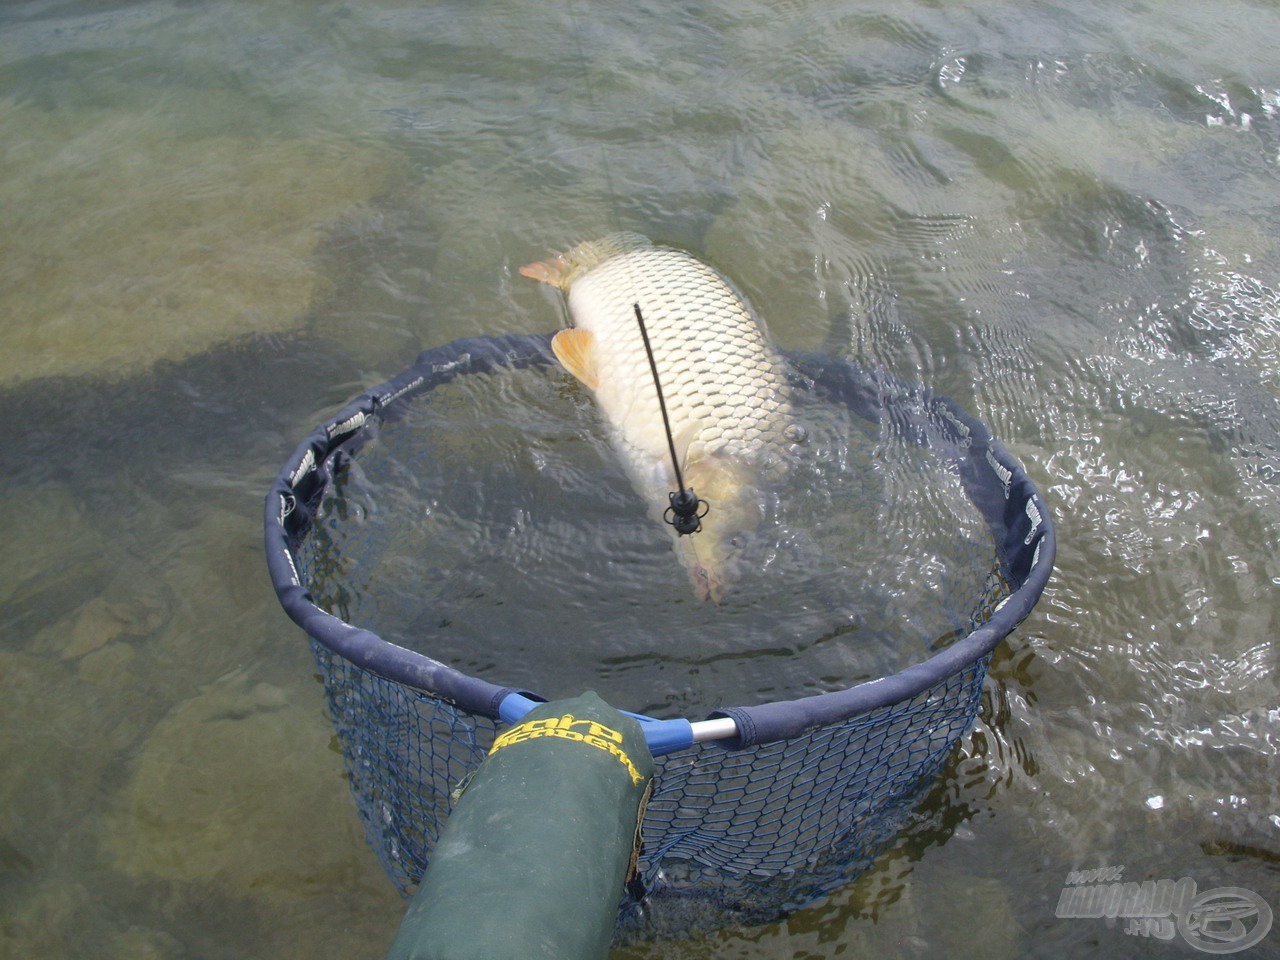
{"points": [[576, 350]]}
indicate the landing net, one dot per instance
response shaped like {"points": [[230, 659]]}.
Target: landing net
{"points": [[801, 795]]}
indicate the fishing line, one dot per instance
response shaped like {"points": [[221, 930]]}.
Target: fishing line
{"points": [[611, 194], [686, 510]]}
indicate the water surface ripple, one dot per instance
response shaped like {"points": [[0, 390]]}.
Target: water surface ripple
{"points": [[222, 220]]}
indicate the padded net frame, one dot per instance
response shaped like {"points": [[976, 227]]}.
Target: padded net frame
{"points": [[741, 830]]}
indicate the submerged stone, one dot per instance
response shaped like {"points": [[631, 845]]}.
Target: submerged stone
{"points": [[129, 242], [237, 788]]}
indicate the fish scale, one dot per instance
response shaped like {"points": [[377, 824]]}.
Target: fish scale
{"points": [[724, 384], [687, 307]]}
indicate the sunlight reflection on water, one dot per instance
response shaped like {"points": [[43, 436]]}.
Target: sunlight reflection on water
{"points": [[224, 220]]}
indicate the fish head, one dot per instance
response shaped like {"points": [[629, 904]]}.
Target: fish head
{"points": [[714, 556], [709, 573]]}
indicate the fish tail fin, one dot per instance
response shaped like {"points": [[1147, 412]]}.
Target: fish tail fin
{"points": [[562, 269], [555, 271]]}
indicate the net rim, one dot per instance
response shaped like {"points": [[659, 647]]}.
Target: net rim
{"points": [[1019, 521]]}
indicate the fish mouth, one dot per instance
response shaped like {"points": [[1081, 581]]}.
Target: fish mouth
{"points": [[708, 587]]}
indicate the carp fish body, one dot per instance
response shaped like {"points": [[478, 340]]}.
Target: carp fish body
{"points": [[724, 384]]}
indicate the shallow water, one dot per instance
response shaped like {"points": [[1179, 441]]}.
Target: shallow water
{"points": [[496, 506], [223, 220]]}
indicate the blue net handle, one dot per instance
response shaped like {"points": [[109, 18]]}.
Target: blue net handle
{"points": [[992, 479], [661, 736]]}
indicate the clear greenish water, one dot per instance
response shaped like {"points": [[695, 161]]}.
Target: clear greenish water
{"points": [[496, 507], [219, 221]]}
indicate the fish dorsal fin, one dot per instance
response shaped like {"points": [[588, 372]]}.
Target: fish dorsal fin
{"points": [[576, 350]]}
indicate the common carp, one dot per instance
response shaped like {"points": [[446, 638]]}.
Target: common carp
{"points": [[724, 384]]}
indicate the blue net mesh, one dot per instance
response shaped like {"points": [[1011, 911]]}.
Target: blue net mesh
{"points": [[406, 754], [746, 836], [738, 835], [729, 836]]}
